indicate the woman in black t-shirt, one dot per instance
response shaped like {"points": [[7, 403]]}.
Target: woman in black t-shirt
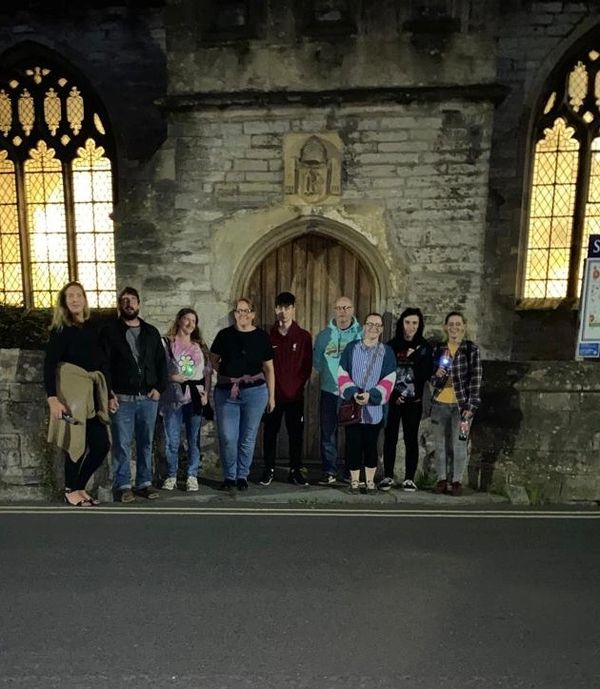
{"points": [[243, 357], [75, 340]]}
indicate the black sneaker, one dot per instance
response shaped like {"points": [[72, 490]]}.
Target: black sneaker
{"points": [[327, 480], [386, 483], [242, 484], [297, 477], [228, 484], [267, 477]]}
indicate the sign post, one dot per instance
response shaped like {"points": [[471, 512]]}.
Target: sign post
{"points": [[588, 339]]}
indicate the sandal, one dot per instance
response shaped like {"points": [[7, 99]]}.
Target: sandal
{"points": [[81, 503], [93, 502]]}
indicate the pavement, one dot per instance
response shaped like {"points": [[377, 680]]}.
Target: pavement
{"points": [[282, 493]]}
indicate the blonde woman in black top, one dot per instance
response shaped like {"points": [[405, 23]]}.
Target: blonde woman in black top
{"points": [[74, 340]]}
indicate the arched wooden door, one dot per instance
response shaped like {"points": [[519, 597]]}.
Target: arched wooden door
{"points": [[317, 270]]}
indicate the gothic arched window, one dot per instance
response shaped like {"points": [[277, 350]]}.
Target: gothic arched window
{"points": [[56, 188], [565, 187]]}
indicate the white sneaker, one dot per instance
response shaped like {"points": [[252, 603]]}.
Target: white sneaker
{"points": [[409, 486], [169, 483], [192, 484]]}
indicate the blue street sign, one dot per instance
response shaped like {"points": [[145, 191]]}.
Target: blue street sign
{"points": [[589, 350], [594, 246]]}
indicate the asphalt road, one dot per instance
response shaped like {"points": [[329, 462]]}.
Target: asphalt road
{"points": [[269, 600]]}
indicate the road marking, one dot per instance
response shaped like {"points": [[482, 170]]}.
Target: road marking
{"points": [[118, 510]]}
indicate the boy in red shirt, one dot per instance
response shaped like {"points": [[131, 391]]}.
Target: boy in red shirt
{"points": [[292, 347]]}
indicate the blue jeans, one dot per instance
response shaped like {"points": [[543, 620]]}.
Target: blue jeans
{"points": [[450, 452], [138, 416], [328, 416], [172, 421], [237, 424]]}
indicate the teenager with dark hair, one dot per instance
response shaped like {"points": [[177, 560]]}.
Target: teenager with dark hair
{"points": [[413, 369], [292, 349]]}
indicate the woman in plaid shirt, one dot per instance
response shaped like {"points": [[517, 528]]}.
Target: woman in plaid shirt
{"points": [[456, 384]]}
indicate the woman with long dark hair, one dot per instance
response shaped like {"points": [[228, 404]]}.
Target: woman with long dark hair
{"points": [[77, 382], [186, 394], [413, 369]]}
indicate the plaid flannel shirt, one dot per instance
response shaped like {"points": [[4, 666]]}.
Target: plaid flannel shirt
{"points": [[466, 375]]}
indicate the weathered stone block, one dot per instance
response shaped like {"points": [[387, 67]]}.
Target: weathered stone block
{"points": [[247, 164], [26, 393], [583, 487]]}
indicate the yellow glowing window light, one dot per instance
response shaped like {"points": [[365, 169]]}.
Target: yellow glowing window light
{"points": [[592, 207], [45, 208], [94, 232], [11, 278], [551, 213]]}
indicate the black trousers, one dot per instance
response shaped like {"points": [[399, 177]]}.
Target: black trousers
{"points": [[294, 422], [361, 445], [410, 414], [78, 473]]}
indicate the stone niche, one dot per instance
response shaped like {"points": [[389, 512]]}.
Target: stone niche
{"points": [[312, 168]]}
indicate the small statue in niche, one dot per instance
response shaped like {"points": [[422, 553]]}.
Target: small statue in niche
{"points": [[313, 167]]}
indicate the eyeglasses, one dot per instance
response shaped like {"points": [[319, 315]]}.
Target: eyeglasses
{"points": [[243, 312], [343, 308], [369, 324]]}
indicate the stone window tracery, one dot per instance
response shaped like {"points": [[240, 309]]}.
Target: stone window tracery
{"points": [[56, 188], [564, 200]]}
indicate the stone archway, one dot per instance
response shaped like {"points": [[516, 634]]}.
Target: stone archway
{"points": [[317, 268]]}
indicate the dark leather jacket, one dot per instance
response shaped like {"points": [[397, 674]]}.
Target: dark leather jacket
{"points": [[127, 376]]}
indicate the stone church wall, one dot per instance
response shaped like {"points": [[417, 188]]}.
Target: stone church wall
{"points": [[414, 172], [533, 36]]}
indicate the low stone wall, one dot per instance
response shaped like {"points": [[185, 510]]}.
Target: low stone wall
{"points": [[29, 467], [538, 428]]}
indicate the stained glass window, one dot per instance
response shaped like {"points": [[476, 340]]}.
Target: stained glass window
{"points": [[56, 189], [564, 203]]}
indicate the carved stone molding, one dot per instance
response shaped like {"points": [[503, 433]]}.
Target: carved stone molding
{"points": [[312, 168]]}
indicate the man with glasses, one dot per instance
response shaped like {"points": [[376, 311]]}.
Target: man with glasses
{"points": [[329, 345], [292, 349], [139, 375]]}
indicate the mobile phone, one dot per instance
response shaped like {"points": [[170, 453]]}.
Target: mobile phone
{"points": [[67, 417]]}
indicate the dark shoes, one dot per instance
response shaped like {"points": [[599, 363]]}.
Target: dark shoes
{"points": [[327, 480], [267, 477], [456, 488], [297, 477], [125, 495], [440, 487], [227, 485], [148, 492], [242, 484]]}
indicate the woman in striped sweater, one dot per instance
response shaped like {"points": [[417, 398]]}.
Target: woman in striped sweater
{"points": [[367, 373]]}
